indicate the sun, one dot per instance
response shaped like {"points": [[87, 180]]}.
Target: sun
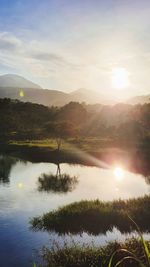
{"points": [[119, 173], [120, 78]]}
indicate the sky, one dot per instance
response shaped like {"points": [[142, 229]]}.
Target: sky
{"points": [[71, 44]]}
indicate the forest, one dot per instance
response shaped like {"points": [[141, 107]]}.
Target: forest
{"points": [[121, 123]]}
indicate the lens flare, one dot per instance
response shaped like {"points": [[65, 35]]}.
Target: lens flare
{"points": [[21, 93], [20, 185]]}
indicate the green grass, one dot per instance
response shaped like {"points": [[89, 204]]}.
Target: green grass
{"points": [[110, 255], [35, 143], [92, 144], [134, 252], [130, 256], [96, 216]]}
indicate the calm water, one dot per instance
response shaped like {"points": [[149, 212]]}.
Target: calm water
{"points": [[21, 199]]}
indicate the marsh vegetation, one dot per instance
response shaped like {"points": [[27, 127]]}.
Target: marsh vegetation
{"points": [[97, 217], [87, 256]]}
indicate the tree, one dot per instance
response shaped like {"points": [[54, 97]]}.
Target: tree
{"points": [[60, 131], [73, 112]]}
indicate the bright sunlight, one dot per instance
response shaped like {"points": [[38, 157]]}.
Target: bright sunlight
{"points": [[120, 78], [119, 173]]}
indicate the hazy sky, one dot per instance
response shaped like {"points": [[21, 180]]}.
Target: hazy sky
{"points": [[71, 44]]}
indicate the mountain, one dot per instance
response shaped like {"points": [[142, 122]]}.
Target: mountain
{"points": [[13, 81], [40, 96], [139, 100], [90, 97], [16, 87]]}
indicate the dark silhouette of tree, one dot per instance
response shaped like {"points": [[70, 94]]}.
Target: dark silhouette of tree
{"points": [[61, 130], [73, 112]]}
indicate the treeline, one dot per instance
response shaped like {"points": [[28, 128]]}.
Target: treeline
{"points": [[123, 122]]}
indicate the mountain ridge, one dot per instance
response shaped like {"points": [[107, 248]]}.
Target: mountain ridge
{"points": [[14, 80], [17, 87], [140, 99]]}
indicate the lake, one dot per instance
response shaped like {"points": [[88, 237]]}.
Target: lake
{"points": [[23, 196]]}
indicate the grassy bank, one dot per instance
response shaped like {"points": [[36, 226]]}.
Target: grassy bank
{"points": [[87, 152], [88, 144], [87, 256], [96, 217]]}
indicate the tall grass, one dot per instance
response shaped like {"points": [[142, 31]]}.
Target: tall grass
{"points": [[132, 256], [132, 253], [96, 217]]}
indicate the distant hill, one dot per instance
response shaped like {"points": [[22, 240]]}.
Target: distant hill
{"points": [[16, 87], [13, 81], [139, 100], [51, 97], [89, 96], [39, 96]]}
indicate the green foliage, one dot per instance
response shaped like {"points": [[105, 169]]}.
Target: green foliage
{"points": [[121, 123], [74, 255], [96, 216], [73, 112], [130, 257]]}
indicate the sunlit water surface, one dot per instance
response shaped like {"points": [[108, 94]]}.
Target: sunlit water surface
{"points": [[20, 200]]}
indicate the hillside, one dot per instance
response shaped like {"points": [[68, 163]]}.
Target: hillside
{"points": [[121, 123], [139, 99], [90, 97], [17, 87], [13, 81], [39, 96]]}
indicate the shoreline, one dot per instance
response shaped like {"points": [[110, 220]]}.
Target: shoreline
{"points": [[134, 160]]}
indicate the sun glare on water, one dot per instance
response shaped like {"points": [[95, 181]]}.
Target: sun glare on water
{"points": [[119, 173], [120, 78]]}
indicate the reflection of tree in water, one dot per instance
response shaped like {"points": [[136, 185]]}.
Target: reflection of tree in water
{"points": [[141, 165], [6, 164], [59, 183], [145, 171], [147, 179]]}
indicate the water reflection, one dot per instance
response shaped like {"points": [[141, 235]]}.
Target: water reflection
{"points": [[20, 201], [6, 164], [57, 183], [147, 179], [85, 239]]}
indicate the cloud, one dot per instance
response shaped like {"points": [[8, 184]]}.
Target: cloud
{"points": [[9, 43], [53, 59], [33, 56], [49, 57], [86, 63]]}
